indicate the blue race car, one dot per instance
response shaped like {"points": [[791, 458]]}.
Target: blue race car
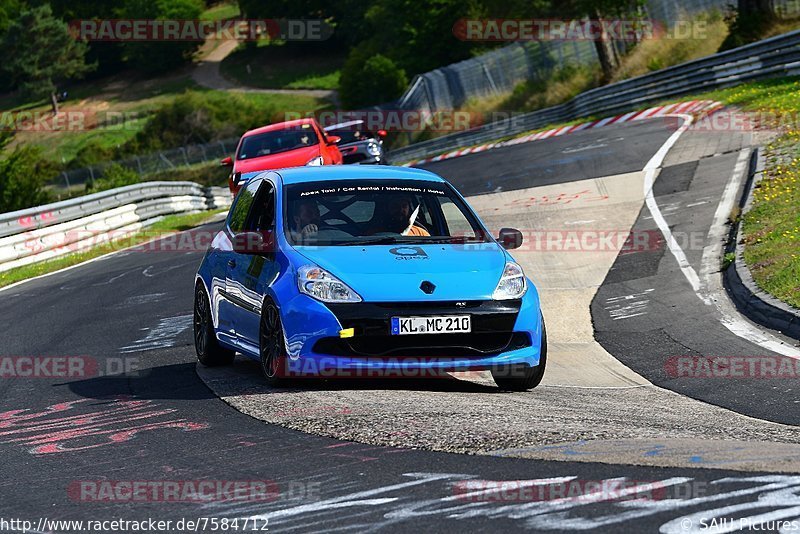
{"points": [[365, 272]]}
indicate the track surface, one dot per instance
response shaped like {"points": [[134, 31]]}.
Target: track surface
{"points": [[136, 305]]}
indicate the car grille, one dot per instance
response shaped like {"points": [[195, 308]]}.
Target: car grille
{"points": [[492, 330], [424, 345]]}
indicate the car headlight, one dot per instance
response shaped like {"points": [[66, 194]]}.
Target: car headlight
{"points": [[315, 162], [322, 285], [512, 284], [374, 149]]}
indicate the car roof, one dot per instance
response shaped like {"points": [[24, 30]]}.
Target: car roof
{"points": [[296, 175], [279, 126]]}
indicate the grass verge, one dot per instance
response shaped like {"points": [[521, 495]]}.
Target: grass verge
{"points": [[170, 223], [283, 66], [771, 229]]}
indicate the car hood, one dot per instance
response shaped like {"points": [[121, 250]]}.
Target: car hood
{"points": [[382, 273], [291, 158]]}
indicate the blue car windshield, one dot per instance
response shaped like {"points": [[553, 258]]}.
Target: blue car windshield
{"points": [[363, 212]]}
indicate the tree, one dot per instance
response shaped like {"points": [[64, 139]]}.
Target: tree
{"points": [[39, 52], [22, 176], [156, 57], [749, 22], [370, 80], [597, 11]]}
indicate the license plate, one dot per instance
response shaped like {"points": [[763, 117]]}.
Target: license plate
{"points": [[449, 324]]}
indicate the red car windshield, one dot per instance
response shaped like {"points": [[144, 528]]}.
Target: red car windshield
{"points": [[277, 141]]}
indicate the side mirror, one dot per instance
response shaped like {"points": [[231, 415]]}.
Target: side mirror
{"points": [[256, 243], [333, 139], [226, 162], [510, 238], [381, 133]]}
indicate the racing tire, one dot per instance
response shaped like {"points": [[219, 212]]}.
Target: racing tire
{"points": [[272, 347], [209, 352], [522, 377]]}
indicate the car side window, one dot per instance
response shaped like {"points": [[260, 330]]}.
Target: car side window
{"points": [[262, 213], [238, 216]]}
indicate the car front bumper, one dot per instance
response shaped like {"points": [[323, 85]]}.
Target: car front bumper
{"points": [[503, 333]]}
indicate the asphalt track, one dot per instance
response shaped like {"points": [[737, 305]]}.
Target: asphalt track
{"points": [[163, 423]]}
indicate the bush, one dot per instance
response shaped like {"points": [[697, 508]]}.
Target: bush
{"points": [[114, 176], [198, 117], [370, 79], [94, 151], [22, 179]]}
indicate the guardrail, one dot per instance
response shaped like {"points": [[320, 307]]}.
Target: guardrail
{"points": [[777, 56], [45, 232]]}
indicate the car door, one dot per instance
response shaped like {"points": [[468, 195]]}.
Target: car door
{"points": [[223, 259], [249, 274]]}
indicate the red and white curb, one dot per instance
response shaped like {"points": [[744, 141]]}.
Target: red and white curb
{"points": [[692, 107]]}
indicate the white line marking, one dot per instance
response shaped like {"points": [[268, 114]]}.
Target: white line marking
{"points": [[649, 178], [710, 291]]}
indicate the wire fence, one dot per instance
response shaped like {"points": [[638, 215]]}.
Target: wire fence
{"points": [[501, 70], [164, 160]]}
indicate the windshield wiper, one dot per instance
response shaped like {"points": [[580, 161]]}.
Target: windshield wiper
{"points": [[380, 240]]}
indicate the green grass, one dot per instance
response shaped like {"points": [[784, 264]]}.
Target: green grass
{"points": [[221, 11], [170, 223], [283, 66]]}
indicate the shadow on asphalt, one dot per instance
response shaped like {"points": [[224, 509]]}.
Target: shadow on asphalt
{"points": [[177, 382], [244, 377]]}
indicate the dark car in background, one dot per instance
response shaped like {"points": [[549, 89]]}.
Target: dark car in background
{"points": [[357, 144]]}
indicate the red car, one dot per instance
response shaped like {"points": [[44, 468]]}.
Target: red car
{"points": [[284, 144]]}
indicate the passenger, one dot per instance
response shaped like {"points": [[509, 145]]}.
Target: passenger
{"points": [[398, 218], [306, 220]]}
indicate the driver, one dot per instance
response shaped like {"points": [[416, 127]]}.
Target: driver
{"points": [[305, 219], [398, 218]]}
